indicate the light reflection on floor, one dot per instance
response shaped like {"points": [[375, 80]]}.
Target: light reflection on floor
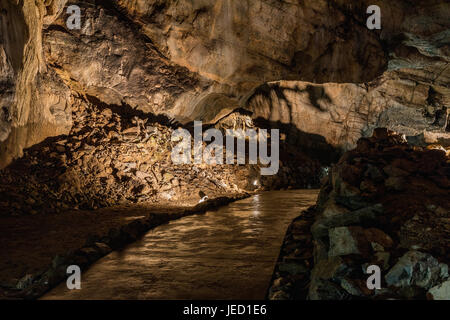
{"points": [[224, 254]]}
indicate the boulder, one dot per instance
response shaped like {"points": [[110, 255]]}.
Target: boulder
{"points": [[375, 235], [347, 240], [25, 282], [416, 268], [440, 292], [321, 226], [326, 290], [395, 183]]}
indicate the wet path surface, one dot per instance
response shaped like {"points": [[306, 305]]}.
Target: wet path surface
{"points": [[225, 254]]}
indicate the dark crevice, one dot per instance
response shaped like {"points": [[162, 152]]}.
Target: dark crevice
{"points": [[57, 27]]}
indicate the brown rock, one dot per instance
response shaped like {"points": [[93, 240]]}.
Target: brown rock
{"points": [[393, 171], [107, 113], [363, 145], [404, 164], [378, 236], [347, 240], [132, 130], [368, 186], [395, 183]]}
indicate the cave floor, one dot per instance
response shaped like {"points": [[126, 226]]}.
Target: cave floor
{"points": [[29, 243], [229, 253]]}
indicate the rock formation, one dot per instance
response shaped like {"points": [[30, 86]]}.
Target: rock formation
{"points": [[87, 115], [111, 158], [287, 62], [35, 102], [384, 203]]}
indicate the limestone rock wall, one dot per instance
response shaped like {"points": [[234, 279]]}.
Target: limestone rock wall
{"points": [[342, 113], [35, 104], [110, 60], [410, 97], [383, 206], [241, 43], [312, 66]]}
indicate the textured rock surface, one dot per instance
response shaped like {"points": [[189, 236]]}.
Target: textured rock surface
{"points": [[317, 115], [35, 103], [243, 43], [110, 60], [411, 97], [360, 221], [112, 157], [416, 269], [310, 67], [440, 292]]}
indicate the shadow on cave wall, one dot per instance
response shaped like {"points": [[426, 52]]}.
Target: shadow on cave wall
{"points": [[42, 164], [315, 94], [314, 145]]}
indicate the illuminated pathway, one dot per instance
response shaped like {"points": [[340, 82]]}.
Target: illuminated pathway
{"points": [[224, 254]]}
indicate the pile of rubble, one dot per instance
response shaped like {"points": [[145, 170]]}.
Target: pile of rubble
{"points": [[387, 204], [117, 157]]}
